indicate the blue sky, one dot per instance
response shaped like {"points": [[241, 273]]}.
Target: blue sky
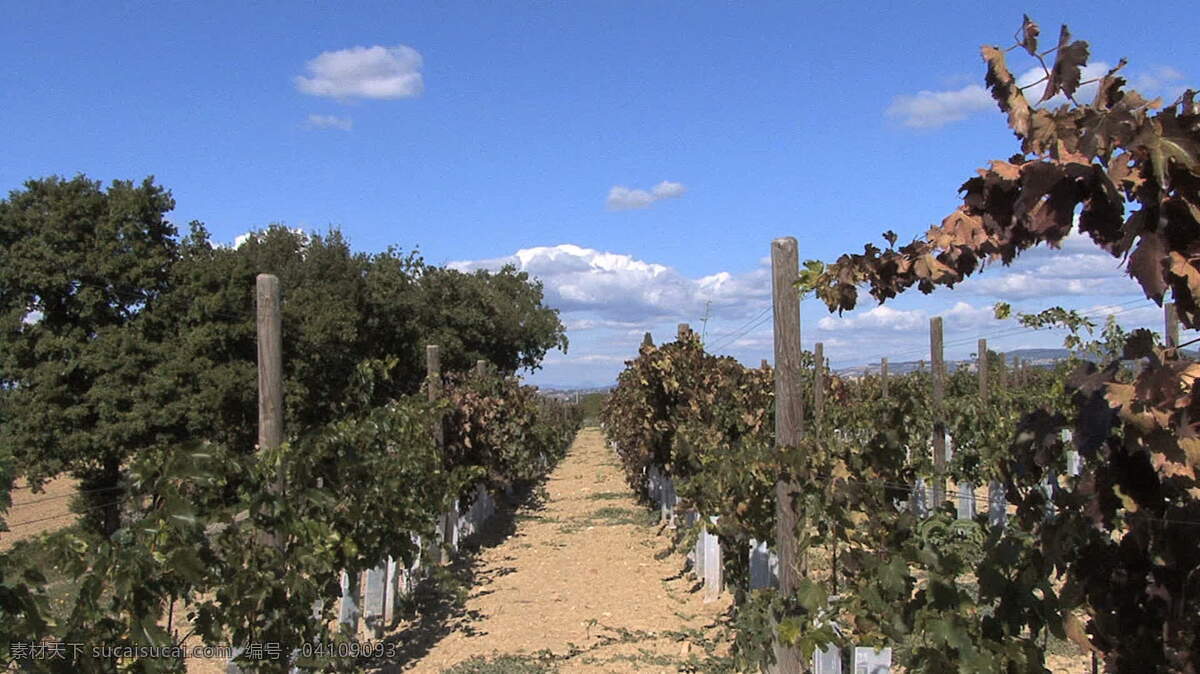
{"points": [[638, 156]]}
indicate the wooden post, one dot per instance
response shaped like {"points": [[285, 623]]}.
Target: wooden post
{"points": [[883, 376], [481, 368], [818, 384], [997, 502], [270, 372], [938, 370], [1172, 324], [764, 365], [983, 370], [433, 378], [269, 333], [789, 418], [818, 426]]}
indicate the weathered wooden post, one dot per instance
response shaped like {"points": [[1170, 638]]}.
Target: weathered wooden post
{"points": [[433, 375], [789, 417], [818, 427], [818, 384], [983, 370], [938, 370], [270, 372], [1171, 317], [997, 502], [269, 334], [481, 368]]}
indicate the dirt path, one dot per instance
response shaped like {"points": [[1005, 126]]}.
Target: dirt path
{"points": [[576, 581]]}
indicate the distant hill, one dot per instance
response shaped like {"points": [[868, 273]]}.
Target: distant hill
{"points": [[1035, 357], [567, 393]]}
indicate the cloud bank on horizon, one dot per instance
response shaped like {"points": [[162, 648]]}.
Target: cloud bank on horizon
{"points": [[609, 300]]}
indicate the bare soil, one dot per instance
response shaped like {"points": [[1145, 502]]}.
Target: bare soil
{"points": [[32, 513], [582, 576]]}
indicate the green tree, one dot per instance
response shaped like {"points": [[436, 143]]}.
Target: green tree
{"points": [[349, 345], [80, 267], [494, 316]]}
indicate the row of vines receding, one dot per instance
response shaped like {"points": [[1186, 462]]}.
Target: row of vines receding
{"points": [[1103, 556], [187, 530]]}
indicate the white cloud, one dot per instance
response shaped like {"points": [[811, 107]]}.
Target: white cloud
{"points": [[1079, 267], [1159, 81], [364, 72], [592, 358], [622, 198], [580, 324], [931, 109], [881, 317], [964, 316], [619, 288], [329, 122]]}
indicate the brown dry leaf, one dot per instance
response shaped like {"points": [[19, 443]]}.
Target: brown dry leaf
{"points": [[930, 268], [958, 229], [1120, 397], [1005, 91], [1123, 171], [1029, 35], [1042, 135], [1066, 155], [1191, 448], [1003, 169], [1145, 265], [1068, 61], [1038, 178], [1109, 90], [1185, 268]]}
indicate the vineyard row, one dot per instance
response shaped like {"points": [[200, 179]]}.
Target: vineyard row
{"points": [[870, 520]]}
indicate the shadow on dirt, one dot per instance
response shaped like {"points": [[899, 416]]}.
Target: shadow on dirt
{"points": [[438, 606]]}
